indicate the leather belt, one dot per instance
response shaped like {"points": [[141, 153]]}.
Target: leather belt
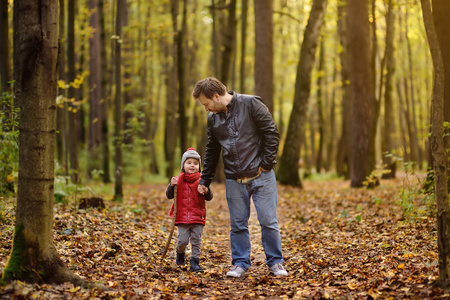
{"points": [[245, 180]]}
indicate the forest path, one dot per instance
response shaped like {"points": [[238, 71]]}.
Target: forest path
{"points": [[338, 242]]}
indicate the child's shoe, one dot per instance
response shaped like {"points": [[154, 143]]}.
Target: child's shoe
{"points": [[195, 265], [181, 260]]}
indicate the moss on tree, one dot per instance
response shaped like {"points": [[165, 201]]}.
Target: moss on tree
{"points": [[18, 260]]}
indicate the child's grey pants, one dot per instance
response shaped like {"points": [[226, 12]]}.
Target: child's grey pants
{"points": [[192, 232]]}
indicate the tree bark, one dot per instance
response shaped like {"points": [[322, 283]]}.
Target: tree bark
{"points": [[33, 256], [264, 51], [416, 155], [320, 110], [228, 43], [438, 148], [343, 155], [5, 66], [104, 92], [242, 73], [179, 39], [388, 146], [358, 34], [288, 169], [118, 137], [73, 115], [441, 11], [95, 90], [376, 101]]}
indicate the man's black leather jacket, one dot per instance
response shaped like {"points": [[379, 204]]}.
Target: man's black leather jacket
{"points": [[247, 136]]}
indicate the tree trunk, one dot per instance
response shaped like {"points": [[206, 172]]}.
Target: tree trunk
{"points": [[5, 68], [228, 38], [320, 111], [438, 148], [288, 169], [343, 155], [403, 117], [441, 11], [358, 33], [242, 73], [181, 62], [127, 92], [415, 150], [376, 102], [105, 95], [171, 80], [71, 134], [118, 187], [388, 146], [264, 51], [95, 90], [61, 108], [33, 256]]}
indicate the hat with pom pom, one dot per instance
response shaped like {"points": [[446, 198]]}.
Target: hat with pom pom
{"points": [[190, 153]]}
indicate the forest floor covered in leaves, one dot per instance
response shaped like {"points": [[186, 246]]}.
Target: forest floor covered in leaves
{"points": [[338, 243]]}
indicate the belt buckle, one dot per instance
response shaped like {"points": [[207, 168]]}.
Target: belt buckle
{"points": [[245, 180]]}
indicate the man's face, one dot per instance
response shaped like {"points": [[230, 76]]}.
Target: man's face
{"points": [[213, 105]]}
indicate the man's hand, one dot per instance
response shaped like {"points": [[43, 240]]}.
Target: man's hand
{"points": [[262, 169], [202, 189]]}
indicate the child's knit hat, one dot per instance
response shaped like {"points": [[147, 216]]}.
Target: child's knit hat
{"points": [[190, 153]]}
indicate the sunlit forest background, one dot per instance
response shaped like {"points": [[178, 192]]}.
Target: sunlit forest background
{"points": [[127, 69]]}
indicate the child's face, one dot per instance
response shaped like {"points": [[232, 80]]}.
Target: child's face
{"points": [[191, 165]]}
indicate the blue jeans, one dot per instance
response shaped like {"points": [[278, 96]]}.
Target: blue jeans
{"points": [[263, 191]]}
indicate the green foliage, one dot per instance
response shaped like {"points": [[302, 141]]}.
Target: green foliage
{"points": [[415, 203], [63, 186], [9, 148]]}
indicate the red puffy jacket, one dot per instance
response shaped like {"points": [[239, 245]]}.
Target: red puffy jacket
{"points": [[191, 208]]}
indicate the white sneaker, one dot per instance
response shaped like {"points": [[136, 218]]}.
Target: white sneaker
{"points": [[236, 271], [278, 270]]}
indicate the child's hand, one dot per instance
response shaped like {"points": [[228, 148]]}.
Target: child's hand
{"points": [[174, 181], [202, 189]]}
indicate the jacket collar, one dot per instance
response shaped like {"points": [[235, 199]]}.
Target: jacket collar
{"points": [[233, 100]]}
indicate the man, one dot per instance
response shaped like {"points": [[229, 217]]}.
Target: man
{"points": [[242, 127]]}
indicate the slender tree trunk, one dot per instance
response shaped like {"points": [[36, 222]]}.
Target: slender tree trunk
{"points": [[95, 87], [389, 117], [332, 128], [104, 92], [35, 74], [358, 33], [127, 92], [403, 116], [182, 120], [320, 111], [6, 98], [376, 102], [228, 38], [264, 51], [343, 155], [171, 80], [242, 73], [415, 150], [118, 187], [61, 111], [438, 148], [288, 169], [72, 94], [5, 66]]}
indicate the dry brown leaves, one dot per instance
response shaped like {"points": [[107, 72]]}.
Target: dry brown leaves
{"points": [[338, 243]]}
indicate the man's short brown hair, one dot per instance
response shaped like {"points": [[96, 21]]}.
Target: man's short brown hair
{"points": [[209, 87]]}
